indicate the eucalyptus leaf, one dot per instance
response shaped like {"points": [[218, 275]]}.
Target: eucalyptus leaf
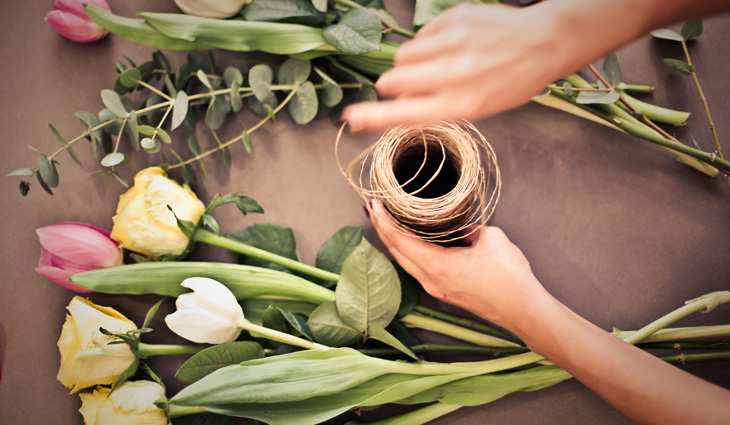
{"points": [[188, 174], [182, 76], [154, 116], [236, 102], [232, 75], [47, 171], [291, 11], [131, 130], [260, 78], [179, 109], [596, 97], [294, 71], [130, 77], [150, 146], [385, 17], [270, 237], [65, 143], [691, 29], [358, 32], [162, 134], [112, 159], [376, 331], [21, 172], [193, 145], [147, 130], [368, 290], [612, 69], [265, 108], [568, 88], [246, 138], [90, 121], [170, 86], [332, 92], [113, 102], [426, 10], [43, 184], [24, 188], [217, 112], [199, 61], [161, 62], [216, 357], [667, 34], [680, 66], [329, 329], [304, 105]]}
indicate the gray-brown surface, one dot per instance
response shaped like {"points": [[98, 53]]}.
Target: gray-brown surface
{"points": [[613, 226]]}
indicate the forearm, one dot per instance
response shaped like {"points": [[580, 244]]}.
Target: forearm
{"points": [[643, 388]]}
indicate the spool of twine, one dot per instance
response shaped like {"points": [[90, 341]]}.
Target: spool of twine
{"points": [[435, 181]]}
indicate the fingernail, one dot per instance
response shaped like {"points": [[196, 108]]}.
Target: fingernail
{"points": [[367, 211]]}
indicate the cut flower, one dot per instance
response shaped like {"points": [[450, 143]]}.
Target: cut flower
{"points": [[69, 19], [131, 403]]}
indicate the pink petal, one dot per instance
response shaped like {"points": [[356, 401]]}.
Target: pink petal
{"points": [[61, 277], [74, 27], [82, 245], [77, 7]]}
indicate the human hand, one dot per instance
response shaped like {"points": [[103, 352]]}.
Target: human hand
{"points": [[490, 277], [469, 62]]}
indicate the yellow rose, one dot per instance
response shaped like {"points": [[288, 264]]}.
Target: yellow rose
{"points": [[86, 357], [144, 223], [131, 403]]}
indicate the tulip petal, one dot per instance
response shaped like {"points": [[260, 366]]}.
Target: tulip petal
{"points": [[77, 7], [215, 297], [84, 245], [202, 327], [75, 28], [89, 317], [60, 277]]}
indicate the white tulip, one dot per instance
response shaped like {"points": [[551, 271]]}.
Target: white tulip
{"points": [[211, 8], [210, 314]]}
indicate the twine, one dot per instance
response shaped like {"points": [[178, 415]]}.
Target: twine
{"points": [[456, 185]]}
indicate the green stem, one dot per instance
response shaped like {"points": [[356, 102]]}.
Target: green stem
{"points": [[168, 349], [431, 348], [656, 113], [455, 331], [282, 337], [467, 323], [704, 103], [697, 357], [670, 334], [178, 411], [685, 345], [204, 236]]}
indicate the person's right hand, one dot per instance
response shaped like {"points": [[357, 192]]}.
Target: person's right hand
{"points": [[490, 277]]}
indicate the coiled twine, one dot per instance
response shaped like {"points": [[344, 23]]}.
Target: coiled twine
{"points": [[435, 181]]}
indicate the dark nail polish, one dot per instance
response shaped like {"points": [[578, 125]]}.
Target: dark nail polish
{"points": [[367, 211]]}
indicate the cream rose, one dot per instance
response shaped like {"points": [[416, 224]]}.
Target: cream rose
{"points": [[131, 403], [144, 223]]}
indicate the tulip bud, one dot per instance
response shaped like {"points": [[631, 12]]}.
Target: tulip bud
{"points": [[69, 248], [87, 358], [145, 224], [211, 8], [210, 314], [69, 19], [131, 403]]}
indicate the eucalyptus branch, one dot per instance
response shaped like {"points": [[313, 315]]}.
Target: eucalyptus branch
{"points": [[395, 30]]}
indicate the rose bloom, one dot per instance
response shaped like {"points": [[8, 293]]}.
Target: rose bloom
{"points": [[144, 223], [87, 359], [131, 403]]}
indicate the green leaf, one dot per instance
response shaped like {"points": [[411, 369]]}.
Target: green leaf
{"points": [[151, 313], [161, 62], [368, 290], [21, 172], [273, 319], [193, 145], [188, 174], [263, 109], [232, 75], [320, 5], [146, 130], [246, 138], [113, 102], [568, 88], [596, 97], [198, 60], [236, 102], [334, 251], [247, 205], [270, 237], [329, 329], [260, 78], [211, 223], [410, 291], [217, 112], [680, 66], [65, 143], [204, 79], [162, 134], [150, 146], [43, 184], [691, 29], [90, 121], [47, 171], [130, 77], [376, 331], [119, 179], [667, 34], [131, 130], [179, 109], [358, 32], [291, 11], [206, 418], [612, 69], [294, 72], [112, 159], [304, 105], [225, 152], [24, 188], [126, 374], [332, 92], [426, 10], [299, 322], [216, 357]]}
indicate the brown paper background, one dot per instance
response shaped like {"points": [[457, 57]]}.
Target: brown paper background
{"points": [[613, 226]]}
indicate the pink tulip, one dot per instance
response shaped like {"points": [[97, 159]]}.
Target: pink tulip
{"points": [[69, 19], [69, 248]]}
